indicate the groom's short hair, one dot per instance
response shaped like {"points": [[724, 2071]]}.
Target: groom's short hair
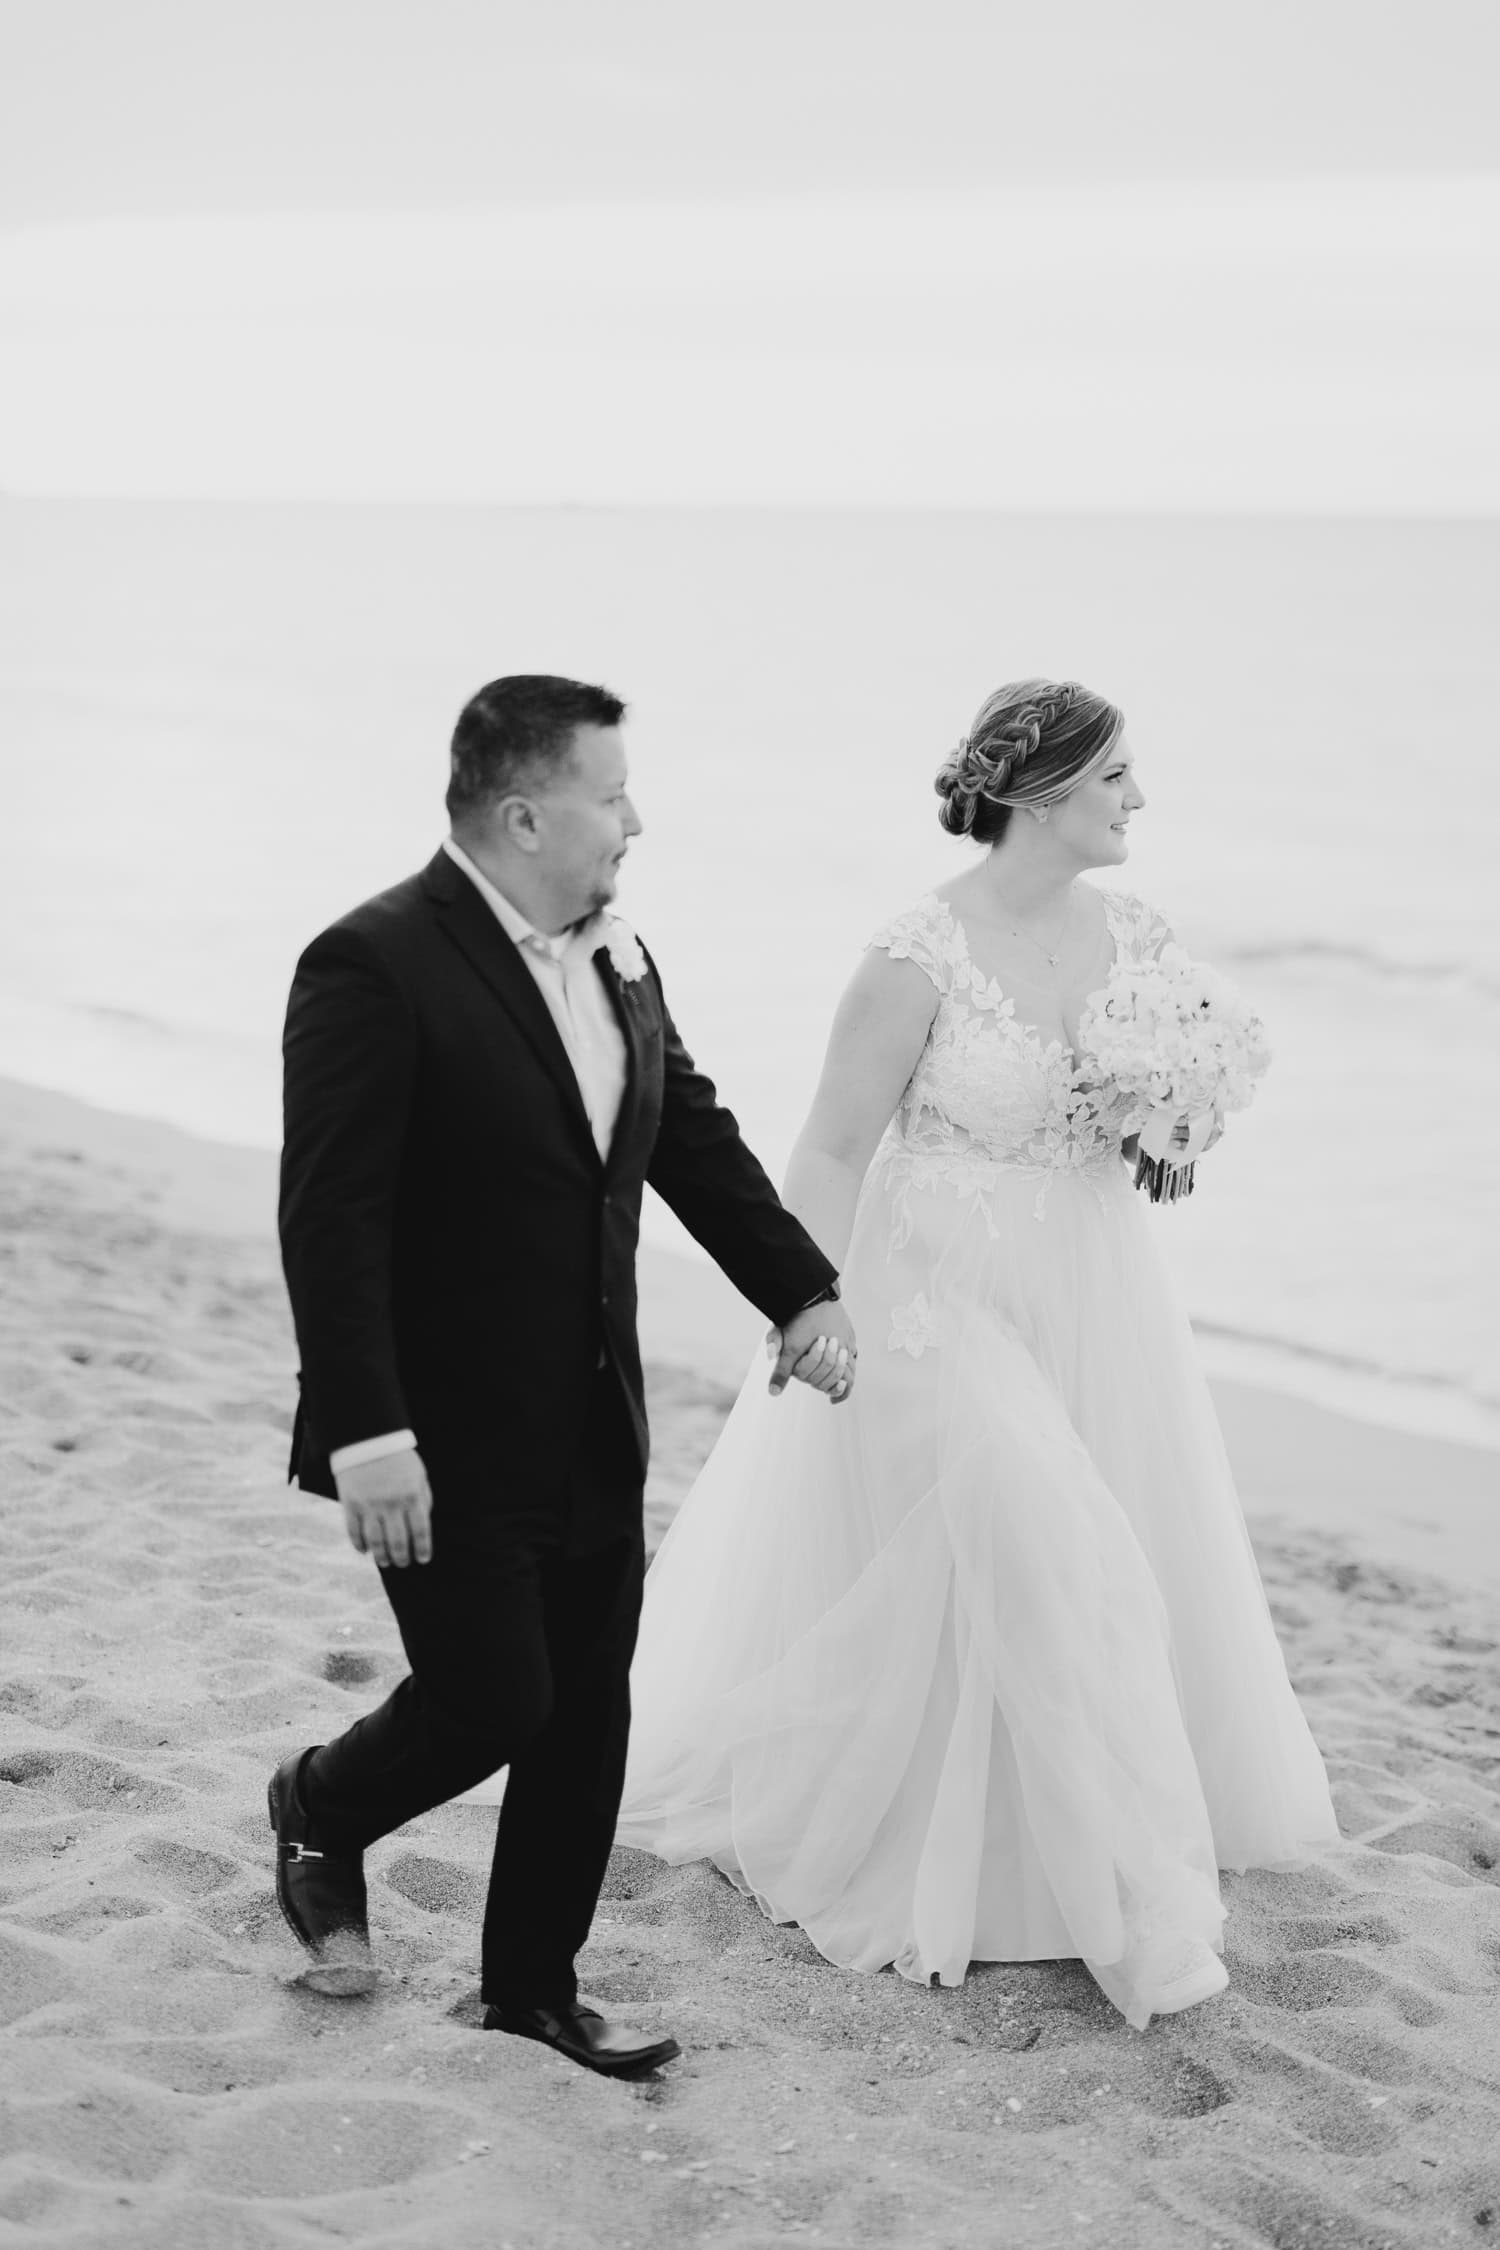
{"points": [[517, 731]]}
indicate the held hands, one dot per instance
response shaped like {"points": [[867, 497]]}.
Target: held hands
{"points": [[817, 1348], [387, 1508]]}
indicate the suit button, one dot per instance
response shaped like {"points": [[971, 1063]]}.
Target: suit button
{"points": [[604, 1296]]}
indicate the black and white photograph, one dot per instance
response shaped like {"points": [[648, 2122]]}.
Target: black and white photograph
{"points": [[749, 1071]]}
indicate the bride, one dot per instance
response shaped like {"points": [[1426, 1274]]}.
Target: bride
{"points": [[979, 1667]]}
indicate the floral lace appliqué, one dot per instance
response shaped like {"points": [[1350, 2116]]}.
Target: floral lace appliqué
{"points": [[914, 1327], [990, 1095]]}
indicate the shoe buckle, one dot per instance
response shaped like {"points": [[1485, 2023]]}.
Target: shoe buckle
{"points": [[299, 1852]]}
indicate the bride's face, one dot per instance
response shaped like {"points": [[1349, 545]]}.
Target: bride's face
{"points": [[1091, 821]]}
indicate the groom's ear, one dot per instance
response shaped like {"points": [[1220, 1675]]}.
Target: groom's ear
{"points": [[514, 821]]}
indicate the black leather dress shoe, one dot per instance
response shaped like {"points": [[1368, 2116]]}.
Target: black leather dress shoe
{"points": [[321, 1893], [584, 2037]]}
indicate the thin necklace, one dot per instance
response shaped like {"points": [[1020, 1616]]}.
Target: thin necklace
{"points": [[1053, 960]]}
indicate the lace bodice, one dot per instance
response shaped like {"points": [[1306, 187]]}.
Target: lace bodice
{"points": [[989, 1090]]}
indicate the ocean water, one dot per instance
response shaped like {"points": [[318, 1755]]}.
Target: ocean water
{"points": [[221, 725]]}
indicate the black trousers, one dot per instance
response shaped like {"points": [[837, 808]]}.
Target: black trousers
{"points": [[519, 1645]]}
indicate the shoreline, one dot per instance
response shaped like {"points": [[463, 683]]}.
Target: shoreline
{"points": [[228, 1187]]}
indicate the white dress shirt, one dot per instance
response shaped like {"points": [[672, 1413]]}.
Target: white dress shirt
{"points": [[564, 973]]}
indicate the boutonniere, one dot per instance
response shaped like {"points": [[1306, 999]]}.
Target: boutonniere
{"points": [[624, 949]]}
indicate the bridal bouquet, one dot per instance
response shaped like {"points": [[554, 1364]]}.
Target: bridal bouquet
{"points": [[1176, 1039]]}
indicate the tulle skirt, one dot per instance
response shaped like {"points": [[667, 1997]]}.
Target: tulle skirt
{"points": [[978, 1666]]}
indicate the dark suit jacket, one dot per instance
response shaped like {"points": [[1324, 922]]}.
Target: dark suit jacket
{"points": [[455, 1250]]}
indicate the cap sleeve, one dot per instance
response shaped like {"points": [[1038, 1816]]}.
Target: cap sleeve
{"points": [[923, 933], [1140, 929]]}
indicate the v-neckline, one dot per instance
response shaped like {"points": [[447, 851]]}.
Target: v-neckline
{"points": [[1004, 1001]]}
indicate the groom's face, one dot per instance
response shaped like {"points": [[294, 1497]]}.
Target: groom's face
{"points": [[585, 821]]}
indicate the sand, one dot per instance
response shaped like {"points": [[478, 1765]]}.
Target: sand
{"points": [[173, 1619]]}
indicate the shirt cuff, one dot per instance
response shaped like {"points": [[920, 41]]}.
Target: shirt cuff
{"points": [[371, 1449]]}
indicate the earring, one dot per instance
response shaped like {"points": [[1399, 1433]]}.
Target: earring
{"points": [[1039, 812]]}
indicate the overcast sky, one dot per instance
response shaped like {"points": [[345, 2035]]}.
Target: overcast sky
{"points": [[1171, 253]]}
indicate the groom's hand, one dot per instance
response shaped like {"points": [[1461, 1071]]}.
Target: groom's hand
{"points": [[816, 1347], [387, 1508]]}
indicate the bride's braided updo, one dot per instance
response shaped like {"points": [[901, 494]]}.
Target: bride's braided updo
{"points": [[1031, 742]]}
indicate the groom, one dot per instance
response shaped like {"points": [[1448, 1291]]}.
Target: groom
{"points": [[481, 1076]]}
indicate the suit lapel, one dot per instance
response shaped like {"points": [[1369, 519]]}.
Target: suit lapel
{"points": [[467, 920]]}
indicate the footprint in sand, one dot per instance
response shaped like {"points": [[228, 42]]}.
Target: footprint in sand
{"points": [[436, 1885], [1193, 2090], [1331, 2101], [1310, 1981], [84, 1783], [1364, 2054], [1308, 1933], [204, 2066], [1279, 2211], [277, 2147], [93, 1916], [1462, 1839], [28, 1769], [46, 1699], [349, 1667], [186, 1872]]}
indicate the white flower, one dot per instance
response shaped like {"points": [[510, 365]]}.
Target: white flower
{"points": [[914, 1327], [1173, 1032], [626, 957]]}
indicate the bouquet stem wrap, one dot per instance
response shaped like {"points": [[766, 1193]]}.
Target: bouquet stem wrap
{"points": [[1175, 1038]]}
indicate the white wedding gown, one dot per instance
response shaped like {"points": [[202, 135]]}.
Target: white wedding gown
{"points": [[978, 1665]]}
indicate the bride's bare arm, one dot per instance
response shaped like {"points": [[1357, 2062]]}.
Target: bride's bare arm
{"points": [[879, 1030]]}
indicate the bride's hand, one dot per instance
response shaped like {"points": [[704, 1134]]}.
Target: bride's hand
{"points": [[817, 1348], [1182, 1144], [1182, 1130]]}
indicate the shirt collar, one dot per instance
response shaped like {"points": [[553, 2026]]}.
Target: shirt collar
{"points": [[514, 922]]}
